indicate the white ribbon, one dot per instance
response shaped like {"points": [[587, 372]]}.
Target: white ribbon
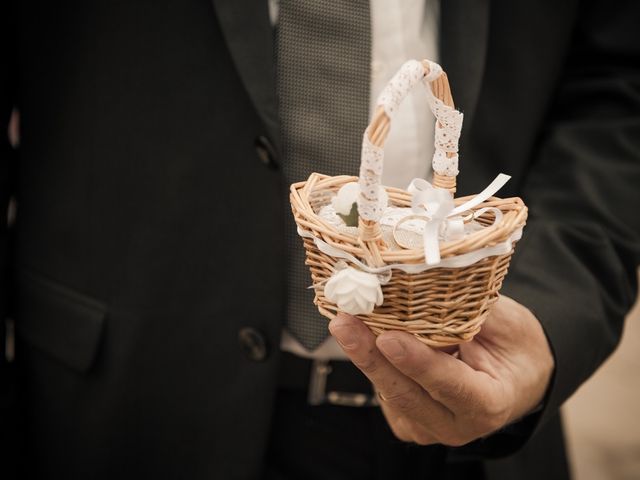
{"points": [[458, 261], [437, 204]]}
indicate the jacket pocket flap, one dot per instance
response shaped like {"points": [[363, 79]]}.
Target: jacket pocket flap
{"points": [[58, 320]]}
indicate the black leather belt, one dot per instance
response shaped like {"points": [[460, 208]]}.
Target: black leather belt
{"points": [[332, 382]]}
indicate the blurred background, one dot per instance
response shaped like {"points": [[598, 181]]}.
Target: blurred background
{"points": [[602, 419]]}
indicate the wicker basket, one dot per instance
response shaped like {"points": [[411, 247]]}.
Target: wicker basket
{"points": [[440, 304]]}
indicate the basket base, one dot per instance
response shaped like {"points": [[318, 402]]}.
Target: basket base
{"points": [[437, 340]]}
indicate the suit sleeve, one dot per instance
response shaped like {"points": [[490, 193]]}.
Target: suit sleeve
{"points": [[8, 411], [576, 267]]}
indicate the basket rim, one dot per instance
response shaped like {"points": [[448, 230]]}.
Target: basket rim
{"points": [[513, 208]]}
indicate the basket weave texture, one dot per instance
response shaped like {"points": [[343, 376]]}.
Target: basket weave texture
{"points": [[441, 305]]}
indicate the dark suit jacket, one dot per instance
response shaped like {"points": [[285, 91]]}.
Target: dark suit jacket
{"points": [[149, 232]]}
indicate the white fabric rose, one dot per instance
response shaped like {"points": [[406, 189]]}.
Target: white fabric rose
{"points": [[353, 291], [346, 200], [346, 197]]}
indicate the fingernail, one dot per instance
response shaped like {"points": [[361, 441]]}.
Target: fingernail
{"points": [[392, 348], [343, 334]]}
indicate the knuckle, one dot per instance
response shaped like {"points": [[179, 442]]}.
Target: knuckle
{"points": [[477, 425], [493, 414], [457, 442], [400, 435], [493, 426], [492, 423], [422, 439], [455, 435], [454, 439], [491, 408], [419, 434], [399, 432]]}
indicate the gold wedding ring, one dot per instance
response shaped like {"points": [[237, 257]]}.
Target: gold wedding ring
{"points": [[400, 243]]}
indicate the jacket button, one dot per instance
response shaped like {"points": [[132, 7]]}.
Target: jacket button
{"points": [[265, 151], [253, 344]]}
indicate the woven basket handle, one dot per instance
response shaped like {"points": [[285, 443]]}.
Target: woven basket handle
{"points": [[447, 133]]}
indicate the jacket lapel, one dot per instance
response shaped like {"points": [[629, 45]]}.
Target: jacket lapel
{"points": [[249, 35], [464, 29]]}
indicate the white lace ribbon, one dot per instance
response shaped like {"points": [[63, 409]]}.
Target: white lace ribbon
{"points": [[410, 73], [447, 128], [370, 204]]}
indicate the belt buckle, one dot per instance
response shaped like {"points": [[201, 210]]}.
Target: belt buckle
{"points": [[318, 395]]}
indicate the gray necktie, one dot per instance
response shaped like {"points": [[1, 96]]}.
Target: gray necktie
{"points": [[324, 55]]}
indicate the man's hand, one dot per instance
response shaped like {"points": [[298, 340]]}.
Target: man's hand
{"points": [[429, 396]]}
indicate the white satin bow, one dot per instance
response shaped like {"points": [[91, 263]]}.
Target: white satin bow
{"points": [[441, 214]]}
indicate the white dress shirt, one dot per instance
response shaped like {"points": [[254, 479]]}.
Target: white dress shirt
{"points": [[401, 30]]}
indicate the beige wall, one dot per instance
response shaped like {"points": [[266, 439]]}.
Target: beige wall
{"points": [[603, 418]]}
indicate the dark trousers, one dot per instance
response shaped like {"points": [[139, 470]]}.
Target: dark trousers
{"points": [[335, 442]]}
